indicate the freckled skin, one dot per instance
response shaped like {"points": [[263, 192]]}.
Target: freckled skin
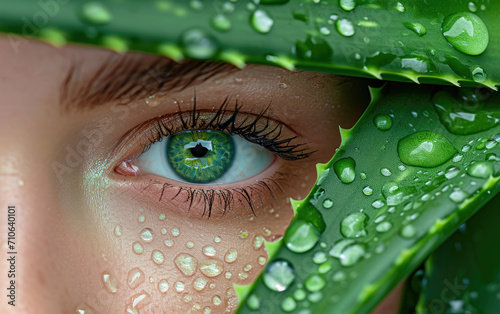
{"points": [[68, 229]]}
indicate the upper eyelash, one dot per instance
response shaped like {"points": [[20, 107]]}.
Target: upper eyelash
{"points": [[225, 120]]}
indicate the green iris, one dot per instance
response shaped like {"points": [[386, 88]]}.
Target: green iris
{"points": [[200, 156]]}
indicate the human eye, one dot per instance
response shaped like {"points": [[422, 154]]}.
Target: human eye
{"points": [[215, 157]]}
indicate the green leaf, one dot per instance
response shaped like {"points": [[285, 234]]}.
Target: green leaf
{"points": [[463, 275], [445, 42], [382, 217]]}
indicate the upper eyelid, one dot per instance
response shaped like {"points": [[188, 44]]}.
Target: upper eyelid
{"points": [[149, 132]]}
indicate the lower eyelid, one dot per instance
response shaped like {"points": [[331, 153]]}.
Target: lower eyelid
{"points": [[177, 196]]}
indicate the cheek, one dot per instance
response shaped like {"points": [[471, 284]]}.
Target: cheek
{"points": [[153, 258]]}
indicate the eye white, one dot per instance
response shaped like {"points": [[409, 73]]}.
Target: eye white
{"points": [[249, 160]]}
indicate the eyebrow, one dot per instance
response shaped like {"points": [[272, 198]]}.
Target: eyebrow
{"points": [[125, 78]]}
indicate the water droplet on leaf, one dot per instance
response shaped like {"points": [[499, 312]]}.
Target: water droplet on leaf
{"points": [[466, 32], [425, 149]]}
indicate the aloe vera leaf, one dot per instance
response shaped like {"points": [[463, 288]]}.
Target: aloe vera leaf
{"points": [[463, 274], [420, 41], [382, 217]]}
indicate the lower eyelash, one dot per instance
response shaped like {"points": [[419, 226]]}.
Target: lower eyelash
{"points": [[226, 197]]}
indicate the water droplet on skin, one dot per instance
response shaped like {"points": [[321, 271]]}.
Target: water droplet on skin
{"points": [[163, 286], [383, 227], [301, 236], [258, 240], [345, 27], [207, 310], [278, 275], [351, 255], [231, 255], [147, 235], [458, 196], [327, 203], [216, 300], [418, 28], [179, 286], [138, 301], [109, 281], [425, 149], [118, 231], [367, 191], [353, 225], [345, 169], [200, 283], [382, 122], [267, 232], [466, 32], [315, 283], [175, 232], [168, 243], [261, 21], [157, 257], [211, 267], [198, 45], [95, 13], [481, 169], [209, 251], [243, 276], [243, 234], [228, 275], [189, 245], [261, 260], [253, 302], [137, 248], [162, 217], [141, 219], [217, 239], [135, 277], [83, 308], [347, 5], [186, 263], [288, 304], [247, 267]]}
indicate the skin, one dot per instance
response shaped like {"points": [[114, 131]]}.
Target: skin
{"points": [[67, 215]]}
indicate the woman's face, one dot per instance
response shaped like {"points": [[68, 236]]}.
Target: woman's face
{"points": [[104, 226]]}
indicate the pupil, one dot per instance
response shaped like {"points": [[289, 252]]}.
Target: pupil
{"points": [[199, 150]]}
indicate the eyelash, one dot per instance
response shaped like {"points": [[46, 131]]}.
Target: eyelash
{"points": [[225, 120], [264, 136]]}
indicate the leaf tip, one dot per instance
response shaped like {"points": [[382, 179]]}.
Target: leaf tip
{"points": [[233, 57], [171, 51]]}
